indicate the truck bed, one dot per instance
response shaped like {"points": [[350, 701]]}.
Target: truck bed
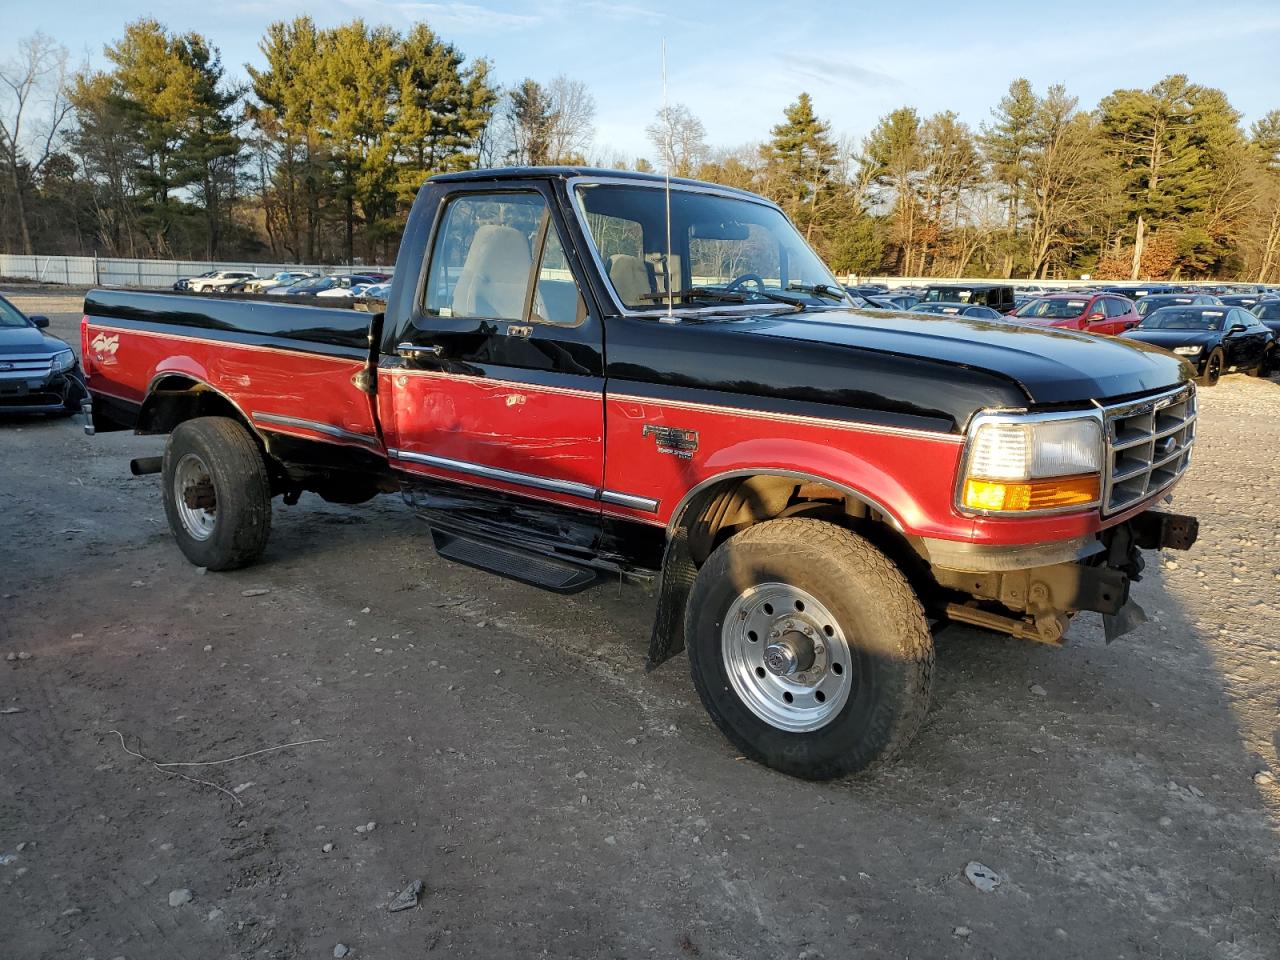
{"points": [[287, 367]]}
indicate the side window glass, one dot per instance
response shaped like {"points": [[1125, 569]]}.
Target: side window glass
{"points": [[557, 299], [482, 260], [1116, 308]]}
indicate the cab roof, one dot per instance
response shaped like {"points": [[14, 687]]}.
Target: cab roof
{"points": [[566, 173]]}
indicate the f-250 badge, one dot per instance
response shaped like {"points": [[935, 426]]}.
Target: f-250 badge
{"points": [[104, 348], [673, 440]]}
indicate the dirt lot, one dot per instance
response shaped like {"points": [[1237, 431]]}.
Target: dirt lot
{"points": [[558, 802]]}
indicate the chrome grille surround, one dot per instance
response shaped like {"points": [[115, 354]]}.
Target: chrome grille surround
{"points": [[1148, 446]]}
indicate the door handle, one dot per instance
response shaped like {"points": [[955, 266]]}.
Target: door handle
{"points": [[417, 351]]}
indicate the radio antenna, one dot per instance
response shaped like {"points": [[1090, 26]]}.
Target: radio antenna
{"points": [[669, 148]]}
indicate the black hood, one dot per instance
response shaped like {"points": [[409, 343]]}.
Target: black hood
{"points": [[1050, 365], [924, 370], [28, 340], [1168, 339]]}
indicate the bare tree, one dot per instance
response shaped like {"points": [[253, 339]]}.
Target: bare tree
{"points": [[573, 114], [680, 139], [35, 79]]}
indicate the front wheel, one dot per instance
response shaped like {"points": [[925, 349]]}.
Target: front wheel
{"points": [[217, 493], [809, 649], [1212, 369]]}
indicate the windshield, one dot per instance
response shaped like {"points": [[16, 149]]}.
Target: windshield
{"points": [[1184, 318], [723, 249], [10, 316], [1053, 309], [1151, 304]]}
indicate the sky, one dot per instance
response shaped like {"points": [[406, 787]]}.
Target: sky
{"points": [[737, 65]]}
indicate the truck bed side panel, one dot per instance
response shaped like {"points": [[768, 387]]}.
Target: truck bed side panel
{"points": [[288, 369]]}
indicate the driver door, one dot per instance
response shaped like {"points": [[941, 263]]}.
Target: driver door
{"points": [[497, 382]]}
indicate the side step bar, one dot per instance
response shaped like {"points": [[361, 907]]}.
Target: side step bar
{"points": [[531, 568]]}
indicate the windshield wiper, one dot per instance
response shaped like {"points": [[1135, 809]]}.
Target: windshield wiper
{"points": [[821, 290], [725, 296]]}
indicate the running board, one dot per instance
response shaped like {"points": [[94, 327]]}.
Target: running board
{"points": [[530, 568]]}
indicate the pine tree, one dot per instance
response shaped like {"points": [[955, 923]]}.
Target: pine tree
{"points": [[1006, 143]]}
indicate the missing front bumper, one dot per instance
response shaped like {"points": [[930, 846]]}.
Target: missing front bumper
{"points": [[1037, 603]]}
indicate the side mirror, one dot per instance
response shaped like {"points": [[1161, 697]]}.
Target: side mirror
{"points": [[1095, 316], [40, 322], [1237, 328]]}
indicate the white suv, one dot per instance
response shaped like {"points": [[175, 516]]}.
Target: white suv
{"points": [[220, 280]]}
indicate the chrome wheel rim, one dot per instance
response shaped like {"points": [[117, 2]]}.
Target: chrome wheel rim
{"points": [[786, 657], [190, 479]]}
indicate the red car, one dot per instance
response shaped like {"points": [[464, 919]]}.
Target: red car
{"points": [[1090, 312]]}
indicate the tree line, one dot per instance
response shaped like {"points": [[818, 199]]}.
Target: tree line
{"points": [[317, 157]]}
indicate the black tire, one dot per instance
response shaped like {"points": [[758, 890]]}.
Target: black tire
{"points": [[1265, 365], [217, 457], [1213, 368], [878, 617]]}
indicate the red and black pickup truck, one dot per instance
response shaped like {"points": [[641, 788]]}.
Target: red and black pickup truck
{"points": [[579, 374]]}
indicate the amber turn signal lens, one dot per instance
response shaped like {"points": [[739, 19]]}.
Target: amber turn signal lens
{"points": [[1051, 494]]}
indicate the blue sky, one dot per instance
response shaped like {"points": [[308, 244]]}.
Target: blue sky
{"points": [[736, 65]]}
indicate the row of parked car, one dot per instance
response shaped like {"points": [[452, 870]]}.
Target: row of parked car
{"points": [[1218, 329], [290, 283]]}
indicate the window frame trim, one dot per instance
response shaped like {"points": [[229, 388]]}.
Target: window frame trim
{"points": [[621, 309]]}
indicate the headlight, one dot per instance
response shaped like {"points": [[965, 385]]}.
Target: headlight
{"points": [[1188, 351], [1017, 464], [63, 361]]}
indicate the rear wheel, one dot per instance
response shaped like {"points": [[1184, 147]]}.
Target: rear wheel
{"points": [[809, 648], [1212, 369], [217, 493]]}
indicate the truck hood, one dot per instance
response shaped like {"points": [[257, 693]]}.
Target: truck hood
{"points": [[1050, 365]]}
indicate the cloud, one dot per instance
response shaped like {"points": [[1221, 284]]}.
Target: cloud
{"points": [[839, 71], [463, 17]]}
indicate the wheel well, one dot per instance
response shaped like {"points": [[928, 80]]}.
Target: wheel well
{"points": [[175, 398], [732, 505]]}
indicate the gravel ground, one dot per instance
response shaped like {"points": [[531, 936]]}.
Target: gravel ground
{"points": [[509, 751]]}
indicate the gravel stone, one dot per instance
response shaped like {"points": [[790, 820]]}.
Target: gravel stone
{"points": [[179, 897]]}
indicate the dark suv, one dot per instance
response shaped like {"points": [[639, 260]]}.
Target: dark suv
{"points": [[997, 296]]}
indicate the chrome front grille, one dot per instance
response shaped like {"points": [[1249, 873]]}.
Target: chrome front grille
{"points": [[13, 367], [1149, 445]]}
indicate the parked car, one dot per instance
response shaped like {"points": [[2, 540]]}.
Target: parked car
{"points": [[1268, 311], [894, 301], [185, 282], [1246, 300], [974, 311], [1213, 339], [220, 281], [317, 285], [766, 492], [1154, 301], [997, 296], [1091, 312], [280, 278], [38, 372], [344, 293], [1136, 291]]}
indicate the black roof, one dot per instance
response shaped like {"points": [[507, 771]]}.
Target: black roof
{"points": [[564, 173]]}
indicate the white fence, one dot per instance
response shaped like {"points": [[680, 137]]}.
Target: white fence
{"points": [[159, 274]]}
